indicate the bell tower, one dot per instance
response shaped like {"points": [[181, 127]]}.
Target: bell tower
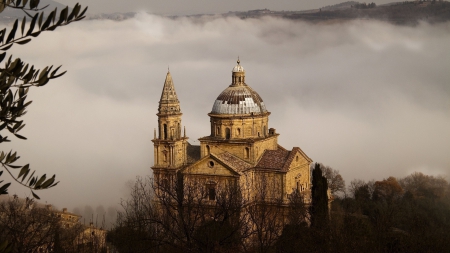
{"points": [[169, 143]]}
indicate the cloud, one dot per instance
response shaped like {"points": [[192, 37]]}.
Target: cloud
{"points": [[367, 98]]}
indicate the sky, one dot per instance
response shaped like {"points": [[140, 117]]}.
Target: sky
{"points": [[202, 6], [367, 98]]}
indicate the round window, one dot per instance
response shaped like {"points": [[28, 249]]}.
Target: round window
{"points": [[211, 164]]}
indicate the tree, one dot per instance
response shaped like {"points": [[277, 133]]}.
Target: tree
{"points": [[296, 233], [387, 190], [335, 181], [319, 198], [420, 185], [17, 77], [27, 227], [177, 216], [265, 212]]}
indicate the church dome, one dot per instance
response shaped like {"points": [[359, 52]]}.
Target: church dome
{"points": [[239, 98]]}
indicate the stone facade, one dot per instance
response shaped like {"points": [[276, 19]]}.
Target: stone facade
{"points": [[241, 148]]}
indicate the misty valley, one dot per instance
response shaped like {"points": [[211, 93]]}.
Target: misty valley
{"points": [[270, 129]]}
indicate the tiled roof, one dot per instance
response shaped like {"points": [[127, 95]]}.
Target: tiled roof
{"points": [[273, 159], [193, 153], [234, 162], [279, 159]]}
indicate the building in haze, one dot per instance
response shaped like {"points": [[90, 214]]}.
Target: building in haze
{"points": [[241, 149]]}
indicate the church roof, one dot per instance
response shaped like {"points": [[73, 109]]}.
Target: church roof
{"points": [[273, 159], [279, 159], [239, 98], [233, 161]]}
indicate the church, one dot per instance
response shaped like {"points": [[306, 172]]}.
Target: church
{"points": [[241, 148]]}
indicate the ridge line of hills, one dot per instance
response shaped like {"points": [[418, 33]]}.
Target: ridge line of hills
{"points": [[402, 13]]}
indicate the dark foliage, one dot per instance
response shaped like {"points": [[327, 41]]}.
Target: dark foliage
{"points": [[319, 198], [16, 77], [411, 214]]}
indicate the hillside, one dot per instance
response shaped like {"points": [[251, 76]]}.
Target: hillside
{"points": [[404, 13], [10, 14]]}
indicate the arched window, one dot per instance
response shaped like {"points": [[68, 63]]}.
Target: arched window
{"points": [[208, 150], [247, 153], [238, 132], [179, 131], [227, 133], [165, 157], [218, 131], [265, 130]]}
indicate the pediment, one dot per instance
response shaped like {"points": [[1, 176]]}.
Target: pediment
{"points": [[297, 158], [210, 165]]}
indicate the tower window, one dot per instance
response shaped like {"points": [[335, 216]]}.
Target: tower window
{"points": [[165, 132], [227, 133], [208, 150]]}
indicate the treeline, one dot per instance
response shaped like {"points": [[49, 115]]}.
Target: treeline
{"points": [[26, 226], [410, 214], [404, 13], [364, 5]]}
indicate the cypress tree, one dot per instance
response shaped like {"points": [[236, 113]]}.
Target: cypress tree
{"points": [[319, 199]]}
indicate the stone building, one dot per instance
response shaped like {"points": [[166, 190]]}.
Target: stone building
{"points": [[241, 148]]}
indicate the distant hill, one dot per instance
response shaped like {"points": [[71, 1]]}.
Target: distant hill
{"points": [[10, 14], [404, 13], [112, 16], [340, 6]]}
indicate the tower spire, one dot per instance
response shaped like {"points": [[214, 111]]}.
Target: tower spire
{"points": [[170, 145], [169, 103]]}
